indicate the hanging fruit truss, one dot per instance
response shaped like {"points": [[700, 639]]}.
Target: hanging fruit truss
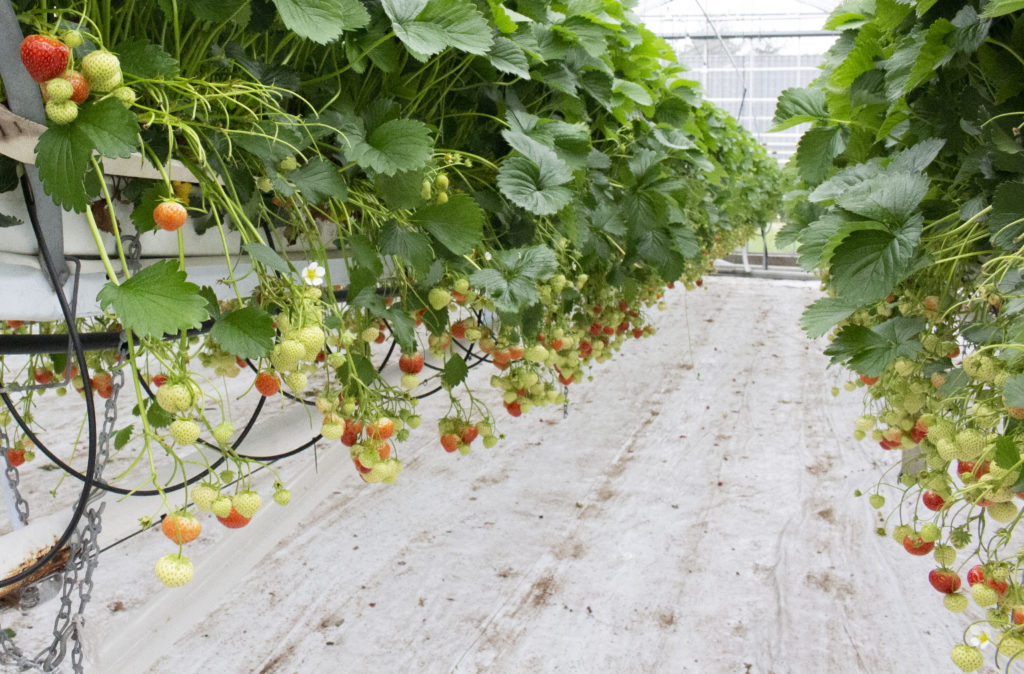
{"points": [[911, 208], [344, 204]]}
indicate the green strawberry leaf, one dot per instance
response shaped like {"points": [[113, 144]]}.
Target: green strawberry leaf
{"points": [[1007, 454], [62, 155], [428, 27], [1006, 222], [508, 57], [870, 262], [799, 106], [536, 187], [868, 351], [319, 180], [455, 371], [155, 302], [322, 21], [268, 257], [1002, 7], [412, 247], [457, 224], [823, 315], [110, 127], [247, 332], [146, 60], [403, 327], [1013, 391], [122, 437], [396, 145], [365, 254]]}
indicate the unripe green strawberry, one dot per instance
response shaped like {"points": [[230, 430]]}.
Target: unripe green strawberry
{"points": [[441, 183], [312, 340], [72, 38], [984, 595], [282, 496], [1010, 644], [930, 533], [536, 354], [103, 70], [204, 495], [439, 298], [1003, 512], [945, 555], [223, 431], [59, 90], [865, 422], [410, 381], [184, 431], [970, 444], [221, 506], [947, 450], [877, 501], [369, 335], [174, 570], [288, 354], [331, 430], [967, 658], [126, 95], [247, 503], [462, 285], [288, 164], [63, 112], [264, 185], [999, 572], [414, 421], [296, 381], [955, 603], [490, 441], [901, 532], [174, 398]]}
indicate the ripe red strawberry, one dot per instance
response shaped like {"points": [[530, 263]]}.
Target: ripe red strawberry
{"points": [[916, 545], [411, 363], [79, 84], [932, 501], [450, 442], [16, 457], [233, 520], [868, 380], [919, 432], [44, 57], [101, 385], [458, 330], [43, 377], [181, 528], [360, 467], [972, 468], [458, 297], [515, 409], [944, 580], [556, 344], [501, 358], [159, 380], [169, 215], [595, 329], [566, 380], [976, 575], [14, 325], [468, 435], [267, 384]]}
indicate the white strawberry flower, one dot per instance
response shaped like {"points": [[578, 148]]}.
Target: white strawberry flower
{"points": [[313, 274], [980, 639]]}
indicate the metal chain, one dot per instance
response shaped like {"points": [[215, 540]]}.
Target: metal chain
{"points": [[79, 569], [11, 472]]}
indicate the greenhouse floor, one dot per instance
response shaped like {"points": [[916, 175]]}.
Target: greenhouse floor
{"points": [[694, 512]]}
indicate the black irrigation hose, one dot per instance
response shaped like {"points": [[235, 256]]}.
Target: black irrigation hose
{"points": [[76, 341]]}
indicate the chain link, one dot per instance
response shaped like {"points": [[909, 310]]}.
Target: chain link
{"points": [[78, 571], [11, 472]]}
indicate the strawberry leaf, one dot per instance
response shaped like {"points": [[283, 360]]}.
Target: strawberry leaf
{"points": [[319, 180], [821, 316], [147, 60], [396, 145], [62, 155], [455, 371], [322, 21], [458, 224], [535, 187], [110, 127], [799, 106], [428, 27], [412, 247], [868, 351], [155, 302], [1007, 454], [1013, 391], [508, 57], [247, 332], [267, 257]]}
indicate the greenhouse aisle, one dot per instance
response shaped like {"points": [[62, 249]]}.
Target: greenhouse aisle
{"points": [[694, 512]]}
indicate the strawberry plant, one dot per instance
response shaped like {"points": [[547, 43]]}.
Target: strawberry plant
{"points": [[510, 185], [908, 206]]}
